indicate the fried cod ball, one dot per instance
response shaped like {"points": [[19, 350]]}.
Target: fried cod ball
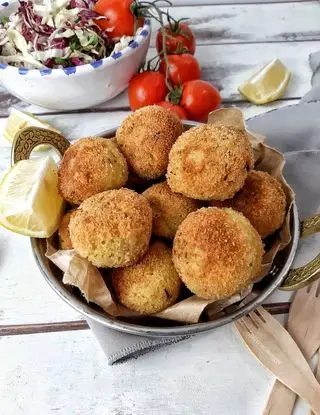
{"points": [[146, 137], [63, 231], [262, 201], [217, 252], [210, 162], [112, 228], [137, 183], [90, 166], [169, 209], [150, 285]]}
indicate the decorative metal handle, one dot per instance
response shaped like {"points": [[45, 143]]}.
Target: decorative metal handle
{"points": [[29, 138], [302, 276]]}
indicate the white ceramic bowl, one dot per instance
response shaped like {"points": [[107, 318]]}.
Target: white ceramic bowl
{"points": [[78, 86]]}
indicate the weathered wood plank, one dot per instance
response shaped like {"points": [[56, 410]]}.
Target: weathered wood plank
{"points": [[18, 329], [25, 295], [246, 23], [227, 66], [46, 374]]}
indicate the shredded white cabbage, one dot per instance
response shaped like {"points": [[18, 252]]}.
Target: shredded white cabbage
{"points": [[67, 33], [51, 53], [16, 39], [65, 15]]}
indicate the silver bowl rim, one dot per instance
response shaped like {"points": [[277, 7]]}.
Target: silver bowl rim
{"points": [[170, 331]]}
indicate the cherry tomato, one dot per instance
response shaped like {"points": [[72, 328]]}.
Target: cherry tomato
{"points": [[177, 109], [180, 39], [182, 68], [199, 98], [119, 18], [147, 88]]}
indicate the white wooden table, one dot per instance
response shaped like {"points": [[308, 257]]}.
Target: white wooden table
{"points": [[50, 362]]}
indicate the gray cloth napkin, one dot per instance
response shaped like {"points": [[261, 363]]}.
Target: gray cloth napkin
{"points": [[314, 94], [119, 347], [302, 171]]}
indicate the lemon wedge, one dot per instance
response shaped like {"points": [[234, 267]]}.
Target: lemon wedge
{"points": [[18, 120], [29, 199], [268, 84]]}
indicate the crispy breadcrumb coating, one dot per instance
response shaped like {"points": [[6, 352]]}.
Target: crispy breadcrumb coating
{"points": [[217, 252], [63, 231], [262, 201], [169, 209], [112, 228], [150, 285], [210, 162], [90, 166], [145, 137]]}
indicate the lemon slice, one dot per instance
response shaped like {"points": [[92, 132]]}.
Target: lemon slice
{"points": [[268, 84], [29, 199], [18, 120]]}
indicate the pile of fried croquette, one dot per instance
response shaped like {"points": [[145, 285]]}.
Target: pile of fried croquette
{"points": [[163, 206]]}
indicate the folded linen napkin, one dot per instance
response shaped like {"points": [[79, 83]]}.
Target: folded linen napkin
{"points": [[302, 171]]}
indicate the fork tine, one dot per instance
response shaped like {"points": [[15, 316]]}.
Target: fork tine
{"points": [[249, 323], [255, 318], [263, 313], [318, 289], [312, 289], [240, 325]]}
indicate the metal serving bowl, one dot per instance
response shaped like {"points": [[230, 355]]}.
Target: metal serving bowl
{"points": [[280, 274]]}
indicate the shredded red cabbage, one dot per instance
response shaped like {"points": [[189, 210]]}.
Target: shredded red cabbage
{"points": [[59, 43], [76, 61], [31, 20]]}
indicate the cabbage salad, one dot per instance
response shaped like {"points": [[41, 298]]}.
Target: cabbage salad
{"points": [[55, 34]]}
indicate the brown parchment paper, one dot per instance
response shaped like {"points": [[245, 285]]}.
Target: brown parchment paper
{"points": [[80, 273]]}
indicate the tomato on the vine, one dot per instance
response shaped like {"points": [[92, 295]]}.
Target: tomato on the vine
{"points": [[177, 109], [119, 19], [179, 39], [199, 98], [182, 68], [147, 88]]}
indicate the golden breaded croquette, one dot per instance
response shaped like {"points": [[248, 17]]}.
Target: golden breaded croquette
{"points": [[217, 252], [63, 231], [210, 162], [90, 166], [150, 285], [262, 201], [136, 182], [169, 209], [112, 228], [145, 137]]}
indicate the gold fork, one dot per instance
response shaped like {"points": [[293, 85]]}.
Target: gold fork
{"points": [[304, 327], [273, 346]]}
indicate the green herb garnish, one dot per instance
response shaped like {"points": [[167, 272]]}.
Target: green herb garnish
{"points": [[4, 20]]}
